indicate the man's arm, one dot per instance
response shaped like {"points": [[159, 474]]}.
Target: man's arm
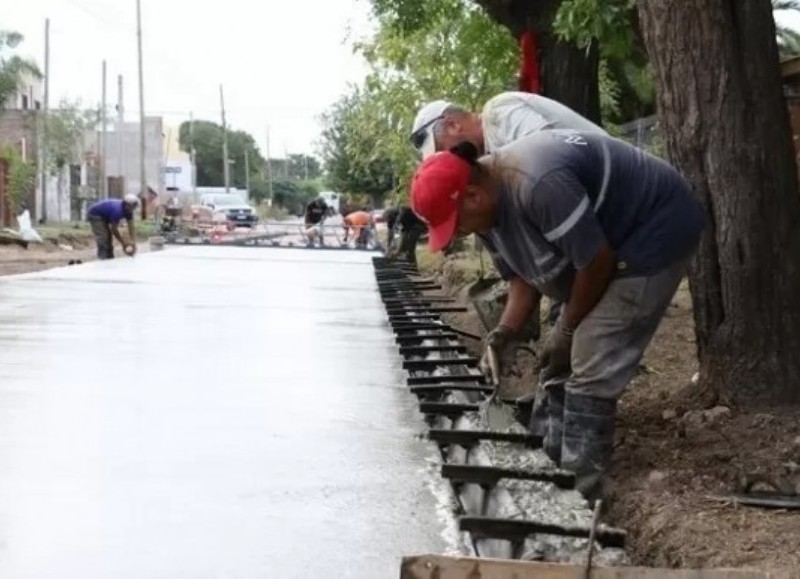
{"points": [[131, 232], [590, 284], [522, 300], [115, 232]]}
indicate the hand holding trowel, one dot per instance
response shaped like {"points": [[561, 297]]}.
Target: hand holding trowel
{"points": [[499, 362]]}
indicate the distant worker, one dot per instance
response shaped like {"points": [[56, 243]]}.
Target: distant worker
{"points": [[390, 215], [104, 217], [404, 223], [358, 225], [314, 216]]}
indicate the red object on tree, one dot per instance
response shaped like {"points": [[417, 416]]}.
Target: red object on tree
{"points": [[529, 77]]}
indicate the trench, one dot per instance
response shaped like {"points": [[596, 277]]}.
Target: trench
{"points": [[513, 502]]}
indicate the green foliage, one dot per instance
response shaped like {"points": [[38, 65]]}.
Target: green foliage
{"points": [[14, 70], [304, 167], [289, 187], [66, 127], [422, 51], [207, 139], [296, 167], [607, 22], [627, 86], [354, 161], [788, 38], [21, 179], [292, 195]]}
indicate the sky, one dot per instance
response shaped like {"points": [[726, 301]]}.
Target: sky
{"points": [[281, 63]]}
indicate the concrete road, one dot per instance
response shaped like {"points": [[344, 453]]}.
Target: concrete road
{"points": [[209, 413]]}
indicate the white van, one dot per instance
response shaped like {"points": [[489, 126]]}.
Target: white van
{"points": [[331, 199]]}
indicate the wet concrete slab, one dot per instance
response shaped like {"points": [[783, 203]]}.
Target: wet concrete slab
{"points": [[209, 412]]}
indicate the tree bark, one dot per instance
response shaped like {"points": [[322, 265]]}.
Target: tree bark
{"points": [[569, 74], [726, 128]]}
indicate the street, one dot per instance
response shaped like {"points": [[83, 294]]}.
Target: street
{"points": [[209, 412]]}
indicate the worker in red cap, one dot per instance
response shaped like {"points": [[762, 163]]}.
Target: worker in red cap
{"points": [[504, 118], [586, 219]]}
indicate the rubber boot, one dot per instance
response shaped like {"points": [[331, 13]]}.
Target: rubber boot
{"points": [[588, 441], [555, 423]]}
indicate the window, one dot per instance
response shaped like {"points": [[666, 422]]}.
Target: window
{"points": [[24, 102]]}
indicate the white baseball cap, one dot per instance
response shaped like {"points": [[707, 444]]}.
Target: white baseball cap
{"points": [[422, 130]]}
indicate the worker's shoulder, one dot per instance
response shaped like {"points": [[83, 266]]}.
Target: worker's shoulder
{"points": [[514, 99]]}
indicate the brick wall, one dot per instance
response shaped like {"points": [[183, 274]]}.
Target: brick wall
{"points": [[16, 126]]}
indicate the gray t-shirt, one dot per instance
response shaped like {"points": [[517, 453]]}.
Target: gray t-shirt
{"points": [[565, 192]]}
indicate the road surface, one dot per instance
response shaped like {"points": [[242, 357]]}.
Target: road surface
{"points": [[209, 412]]}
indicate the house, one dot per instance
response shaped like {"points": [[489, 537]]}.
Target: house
{"points": [[19, 129], [179, 172], [122, 155]]}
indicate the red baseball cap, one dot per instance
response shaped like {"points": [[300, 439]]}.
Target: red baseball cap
{"points": [[437, 186]]}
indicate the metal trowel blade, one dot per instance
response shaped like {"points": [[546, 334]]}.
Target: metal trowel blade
{"points": [[493, 411]]}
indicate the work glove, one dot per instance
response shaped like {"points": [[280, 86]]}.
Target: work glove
{"points": [[556, 354], [499, 354]]}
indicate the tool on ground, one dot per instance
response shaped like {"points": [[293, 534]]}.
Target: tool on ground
{"points": [[592, 534], [781, 493]]}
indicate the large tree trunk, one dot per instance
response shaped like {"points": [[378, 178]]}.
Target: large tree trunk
{"points": [[726, 128], [569, 74]]}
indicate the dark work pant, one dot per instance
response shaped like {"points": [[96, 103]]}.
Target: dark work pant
{"points": [[102, 238], [408, 244]]}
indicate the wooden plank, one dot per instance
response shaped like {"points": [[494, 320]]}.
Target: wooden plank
{"points": [[443, 567]]}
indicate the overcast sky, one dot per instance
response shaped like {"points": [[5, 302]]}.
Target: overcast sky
{"points": [[281, 62]]}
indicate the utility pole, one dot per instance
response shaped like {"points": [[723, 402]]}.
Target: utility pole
{"points": [[142, 145], [121, 137], [225, 161], [104, 135], [269, 169], [45, 116], [286, 164], [192, 156], [305, 166], [247, 172]]}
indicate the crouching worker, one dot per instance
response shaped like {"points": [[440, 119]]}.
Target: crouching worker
{"points": [[410, 228], [586, 219], [104, 217], [358, 225]]}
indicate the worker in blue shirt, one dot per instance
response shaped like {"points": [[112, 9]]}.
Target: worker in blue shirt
{"points": [[104, 217]]}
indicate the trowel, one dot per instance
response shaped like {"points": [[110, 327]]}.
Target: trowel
{"points": [[498, 414]]}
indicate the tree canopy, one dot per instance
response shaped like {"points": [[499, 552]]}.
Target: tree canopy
{"points": [[14, 70], [456, 52]]}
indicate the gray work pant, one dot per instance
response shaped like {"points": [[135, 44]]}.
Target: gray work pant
{"points": [[609, 343], [102, 238]]}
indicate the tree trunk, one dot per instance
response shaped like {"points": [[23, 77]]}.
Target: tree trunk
{"points": [[569, 74], [726, 128]]}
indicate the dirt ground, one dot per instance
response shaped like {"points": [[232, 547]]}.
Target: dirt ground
{"points": [[679, 456]]}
